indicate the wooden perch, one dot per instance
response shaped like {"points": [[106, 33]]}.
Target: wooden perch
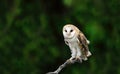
{"points": [[62, 66]]}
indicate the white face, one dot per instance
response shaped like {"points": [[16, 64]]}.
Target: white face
{"points": [[68, 32]]}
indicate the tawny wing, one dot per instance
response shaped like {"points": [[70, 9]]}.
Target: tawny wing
{"points": [[83, 43]]}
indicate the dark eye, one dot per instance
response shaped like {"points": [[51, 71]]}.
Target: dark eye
{"points": [[71, 30], [65, 30]]}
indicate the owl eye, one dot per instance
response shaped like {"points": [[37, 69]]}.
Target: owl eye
{"points": [[71, 30], [65, 30]]}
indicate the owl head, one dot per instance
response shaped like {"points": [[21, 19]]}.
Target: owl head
{"points": [[69, 31]]}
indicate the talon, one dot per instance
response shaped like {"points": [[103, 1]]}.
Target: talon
{"points": [[71, 60]]}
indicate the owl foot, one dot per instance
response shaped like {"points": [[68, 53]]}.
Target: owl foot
{"points": [[71, 60], [78, 59]]}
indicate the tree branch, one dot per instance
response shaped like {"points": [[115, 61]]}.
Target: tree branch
{"points": [[62, 66]]}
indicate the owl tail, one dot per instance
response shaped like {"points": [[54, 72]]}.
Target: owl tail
{"points": [[85, 58], [88, 42], [89, 54]]}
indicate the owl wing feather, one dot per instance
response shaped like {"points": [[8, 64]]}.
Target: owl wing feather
{"points": [[83, 43]]}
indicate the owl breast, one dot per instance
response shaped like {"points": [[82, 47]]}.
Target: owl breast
{"points": [[73, 42]]}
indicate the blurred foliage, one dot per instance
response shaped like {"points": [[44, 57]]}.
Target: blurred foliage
{"points": [[31, 40]]}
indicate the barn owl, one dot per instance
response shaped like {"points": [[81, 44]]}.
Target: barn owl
{"points": [[77, 43]]}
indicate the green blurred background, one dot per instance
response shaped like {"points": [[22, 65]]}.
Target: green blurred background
{"points": [[31, 40]]}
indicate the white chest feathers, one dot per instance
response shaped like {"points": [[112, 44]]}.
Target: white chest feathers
{"points": [[72, 42]]}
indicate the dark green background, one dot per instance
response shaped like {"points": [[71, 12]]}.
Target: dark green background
{"points": [[31, 40]]}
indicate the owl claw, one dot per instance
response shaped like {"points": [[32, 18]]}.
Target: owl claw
{"points": [[71, 60]]}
